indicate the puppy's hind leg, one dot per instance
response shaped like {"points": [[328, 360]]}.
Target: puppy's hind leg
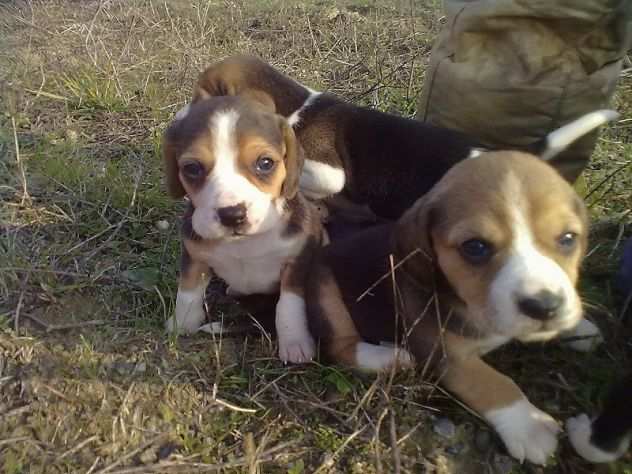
{"points": [[340, 339]]}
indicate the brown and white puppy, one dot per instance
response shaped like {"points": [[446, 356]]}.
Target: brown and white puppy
{"points": [[239, 166], [490, 254]]}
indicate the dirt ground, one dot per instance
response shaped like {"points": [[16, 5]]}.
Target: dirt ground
{"points": [[90, 383]]}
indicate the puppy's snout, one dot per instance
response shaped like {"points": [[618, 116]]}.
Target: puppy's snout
{"points": [[232, 216], [543, 306]]}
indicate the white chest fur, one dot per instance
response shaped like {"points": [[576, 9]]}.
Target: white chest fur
{"points": [[253, 264]]}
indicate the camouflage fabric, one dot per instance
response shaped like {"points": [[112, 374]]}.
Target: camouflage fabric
{"points": [[510, 71]]}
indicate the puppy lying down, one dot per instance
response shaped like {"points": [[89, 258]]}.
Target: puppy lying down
{"points": [[490, 254]]}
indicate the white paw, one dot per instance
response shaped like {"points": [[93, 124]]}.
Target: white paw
{"points": [[295, 342], [579, 429], [528, 432], [186, 326], [378, 358], [297, 351], [189, 312], [584, 337]]}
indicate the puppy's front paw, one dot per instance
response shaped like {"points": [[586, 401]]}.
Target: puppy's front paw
{"points": [[296, 344], [189, 311], [528, 432], [187, 326], [297, 350]]}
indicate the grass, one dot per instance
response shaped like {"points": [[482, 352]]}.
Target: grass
{"points": [[88, 380]]}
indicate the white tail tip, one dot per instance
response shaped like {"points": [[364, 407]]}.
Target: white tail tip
{"points": [[558, 140]]}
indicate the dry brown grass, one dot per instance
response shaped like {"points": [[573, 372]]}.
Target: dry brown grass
{"points": [[88, 380]]}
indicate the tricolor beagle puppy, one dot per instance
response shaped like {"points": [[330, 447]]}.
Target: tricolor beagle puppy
{"points": [[490, 254], [239, 165], [377, 159]]}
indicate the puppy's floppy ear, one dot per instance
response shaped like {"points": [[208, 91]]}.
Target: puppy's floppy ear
{"points": [[413, 239], [293, 159], [227, 78], [172, 172]]}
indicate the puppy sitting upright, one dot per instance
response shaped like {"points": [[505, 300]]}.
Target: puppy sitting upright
{"points": [[490, 254], [239, 165]]}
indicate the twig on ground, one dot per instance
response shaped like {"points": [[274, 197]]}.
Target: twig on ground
{"points": [[189, 467], [15, 412], [25, 192], [132, 453], [78, 447], [62, 327], [18, 308], [397, 462], [327, 463], [230, 406]]}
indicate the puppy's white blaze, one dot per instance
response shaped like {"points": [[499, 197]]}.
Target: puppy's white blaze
{"points": [[377, 358], [295, 118], [558, 140], [295, 341], [226, 186], [319, 180], [183, 112], [189, 314], [526, 272], [224, 144], [579, 431], [528, 432]]}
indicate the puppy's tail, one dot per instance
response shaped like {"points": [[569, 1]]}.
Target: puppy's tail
{"points": [[558, 140]]}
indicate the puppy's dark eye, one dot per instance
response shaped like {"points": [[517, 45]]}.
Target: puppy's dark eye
{"points": [[567, 241], [264, 165], [476, 251], [192, 169]]}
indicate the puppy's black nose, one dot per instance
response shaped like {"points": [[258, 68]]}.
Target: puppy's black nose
{"points": [[232, 216], [543, 306]]}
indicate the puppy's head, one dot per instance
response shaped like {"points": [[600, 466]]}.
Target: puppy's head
{"points": [[508, 235], [237, 162]]}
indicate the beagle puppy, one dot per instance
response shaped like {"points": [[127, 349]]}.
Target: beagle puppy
{"points": [[239, 166], [608, 436], [490, 254], [373, 163], [369, 157]]}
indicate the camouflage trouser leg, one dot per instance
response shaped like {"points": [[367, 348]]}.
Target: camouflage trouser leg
{"points": [[510, 71]]}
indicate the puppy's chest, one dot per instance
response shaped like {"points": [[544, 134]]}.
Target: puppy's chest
{"points": [[253, 267]]}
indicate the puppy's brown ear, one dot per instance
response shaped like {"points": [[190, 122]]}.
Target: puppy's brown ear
{"points": [[231, 77], [293, 160], [413, 240], [172, 172]]}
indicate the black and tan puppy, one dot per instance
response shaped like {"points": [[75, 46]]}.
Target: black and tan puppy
{"points": [[239, 166], [490, 254]]}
